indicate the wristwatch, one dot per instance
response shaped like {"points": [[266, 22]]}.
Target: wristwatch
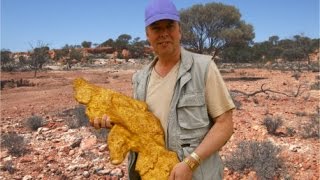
{"points": [[193, 165]]}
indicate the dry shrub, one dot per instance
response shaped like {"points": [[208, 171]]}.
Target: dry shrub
{"points": [[101, 134], [34, 122], [272, 124], [290, 131], [15, 83], [296, 75], [24, 82], [261, 157], [8, 166], [14, 143], [312, 128], [237, 103], [77, 117], [315, 86]]}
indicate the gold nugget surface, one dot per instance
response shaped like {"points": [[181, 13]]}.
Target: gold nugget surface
{"points": [[135, 129]]}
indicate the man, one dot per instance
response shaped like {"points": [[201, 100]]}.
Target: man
{"points": [[187, 93]]}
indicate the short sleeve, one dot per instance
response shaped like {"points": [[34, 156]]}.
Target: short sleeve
{"points": [[218, 98]]}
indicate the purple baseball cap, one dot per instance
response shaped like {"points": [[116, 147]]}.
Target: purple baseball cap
{"points": [[160, 9]]}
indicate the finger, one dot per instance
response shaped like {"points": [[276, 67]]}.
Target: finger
{"points": [[172, 174], [96, 123], [92, 121], [109, 124], [103, 122]]}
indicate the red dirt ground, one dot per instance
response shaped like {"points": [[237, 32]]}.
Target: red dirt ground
{"points": [[53, 93]]}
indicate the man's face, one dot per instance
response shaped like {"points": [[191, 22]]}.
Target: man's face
{"points": [[164, 36]]}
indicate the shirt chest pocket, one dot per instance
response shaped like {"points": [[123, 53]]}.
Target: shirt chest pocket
{"points": [[192, 111]]}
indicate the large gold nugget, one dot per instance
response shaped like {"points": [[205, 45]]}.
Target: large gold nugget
{"points": [[135, 129]]}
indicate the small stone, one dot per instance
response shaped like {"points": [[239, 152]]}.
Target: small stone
{"points": [[88, 143], [86, 174], [76, 143], [83, 166], [39, 130], [102, 148], [306, 166], [71, 152], [117, 172], [103, 172], [65, 149], [26, 159], [72, 167], [9, 158], [40, 176], [27, 177], [58, 120], [40, 138], [56, 140], [64, 128]]}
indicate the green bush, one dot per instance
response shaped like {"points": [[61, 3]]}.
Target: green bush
{"points": [[261, 157], [10, 67], [14, 143], [34, 122]]}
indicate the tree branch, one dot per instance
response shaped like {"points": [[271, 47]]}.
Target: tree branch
{"points": [[262, 90]]}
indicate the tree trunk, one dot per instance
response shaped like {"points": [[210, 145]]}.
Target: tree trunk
{"points": [[35, 72], [309, 63]]}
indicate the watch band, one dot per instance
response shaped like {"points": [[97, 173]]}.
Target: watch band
{"points": [[196, 157], [193, 165]]}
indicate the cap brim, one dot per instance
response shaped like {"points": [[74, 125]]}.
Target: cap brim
{"points": [[161, 17]]}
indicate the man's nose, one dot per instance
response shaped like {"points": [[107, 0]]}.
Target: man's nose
{"points": [[164, 32]]}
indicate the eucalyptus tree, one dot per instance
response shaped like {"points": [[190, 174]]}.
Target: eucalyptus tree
{"points": [[108, 43], [122, 41], [6, 56], [86, 44], [213, 27], [39, 56], [306, 46]]}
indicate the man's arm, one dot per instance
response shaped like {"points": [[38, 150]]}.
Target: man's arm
{"points": [[217, 136]]}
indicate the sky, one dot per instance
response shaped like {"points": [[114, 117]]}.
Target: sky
{"points": [[26, 23]]}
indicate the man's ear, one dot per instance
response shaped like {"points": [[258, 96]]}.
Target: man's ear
{"points": [[147, 35], [180, 31]]}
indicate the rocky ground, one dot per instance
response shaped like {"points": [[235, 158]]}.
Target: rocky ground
{"points": [[61, 150]]}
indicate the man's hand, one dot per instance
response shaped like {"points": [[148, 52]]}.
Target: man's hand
{"points": [[104, 122], [181, 171]]}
